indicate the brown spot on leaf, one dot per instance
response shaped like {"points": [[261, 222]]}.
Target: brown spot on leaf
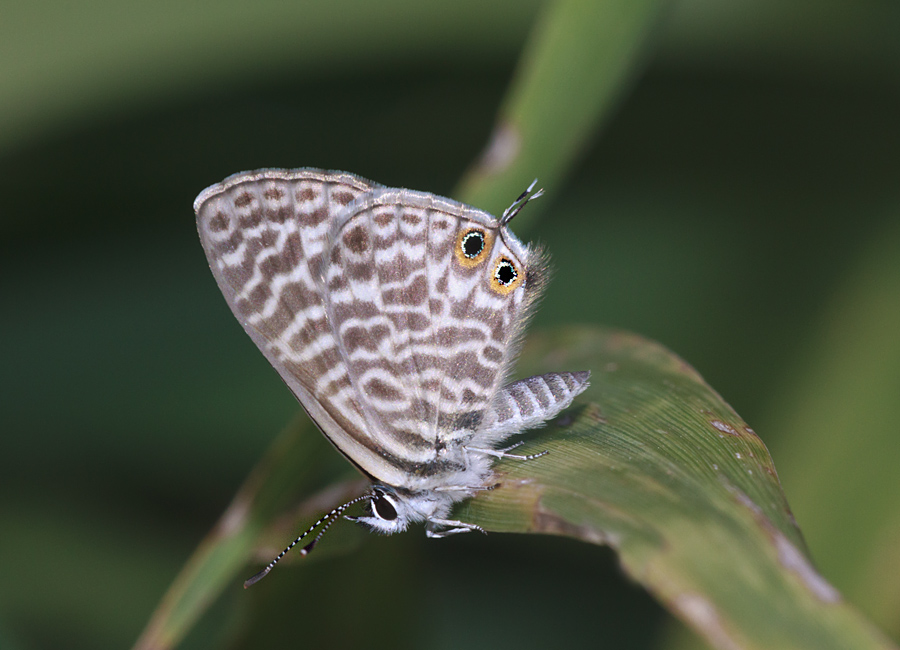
{"points": [[724, 427], [553, 524]]}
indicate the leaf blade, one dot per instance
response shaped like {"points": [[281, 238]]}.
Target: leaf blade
{"points": [[659, 467]]}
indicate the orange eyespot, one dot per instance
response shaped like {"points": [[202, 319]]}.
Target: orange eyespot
{"points": [[505, 277], [472, 246]]}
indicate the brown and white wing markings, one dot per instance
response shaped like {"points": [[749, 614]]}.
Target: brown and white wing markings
{"points": [[393, 335], [423, 330], [265, 233]]}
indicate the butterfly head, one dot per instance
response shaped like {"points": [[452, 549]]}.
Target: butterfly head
{"points": [[389, 512], [392, 510]]}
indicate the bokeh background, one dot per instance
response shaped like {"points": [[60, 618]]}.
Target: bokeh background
{"points": [[739, 204]]}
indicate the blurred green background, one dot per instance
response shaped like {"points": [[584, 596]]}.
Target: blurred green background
{"points": [[740, 204]]}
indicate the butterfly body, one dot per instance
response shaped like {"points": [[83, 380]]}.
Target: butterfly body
{"points": [[394, 316]]}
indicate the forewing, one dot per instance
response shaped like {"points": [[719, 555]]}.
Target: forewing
{"points": [[265, 234], [426, 331]]}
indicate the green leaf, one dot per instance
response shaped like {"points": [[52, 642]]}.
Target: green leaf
{"points": [[580, 58], [837, 414], [659, 467], [650, 461]]}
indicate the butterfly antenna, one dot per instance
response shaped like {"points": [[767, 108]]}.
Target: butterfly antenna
{"points": [[328, 519], [520, 203]]}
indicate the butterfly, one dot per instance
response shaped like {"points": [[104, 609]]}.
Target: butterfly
{"points": [[394, 317]]}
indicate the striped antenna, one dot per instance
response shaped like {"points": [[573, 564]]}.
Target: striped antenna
{"points": [[328, 519]]}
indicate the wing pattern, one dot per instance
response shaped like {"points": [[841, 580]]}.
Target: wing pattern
{"points": [[424, 336], [392, 315]]}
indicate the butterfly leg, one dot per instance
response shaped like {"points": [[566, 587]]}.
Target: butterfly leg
{"points": [[502, 453], [464, 488], [451, 527]]}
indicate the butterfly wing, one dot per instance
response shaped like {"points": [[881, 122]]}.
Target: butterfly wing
{"points": [[393, 330], [426, 320], [265, 235]]}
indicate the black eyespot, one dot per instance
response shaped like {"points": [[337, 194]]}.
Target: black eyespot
{"points": [[505, 273], [383, 508], [472, 244]]}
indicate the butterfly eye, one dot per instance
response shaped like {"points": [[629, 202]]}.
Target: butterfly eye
{"points": [[471, 246], [506, 276], [383, 508]]}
